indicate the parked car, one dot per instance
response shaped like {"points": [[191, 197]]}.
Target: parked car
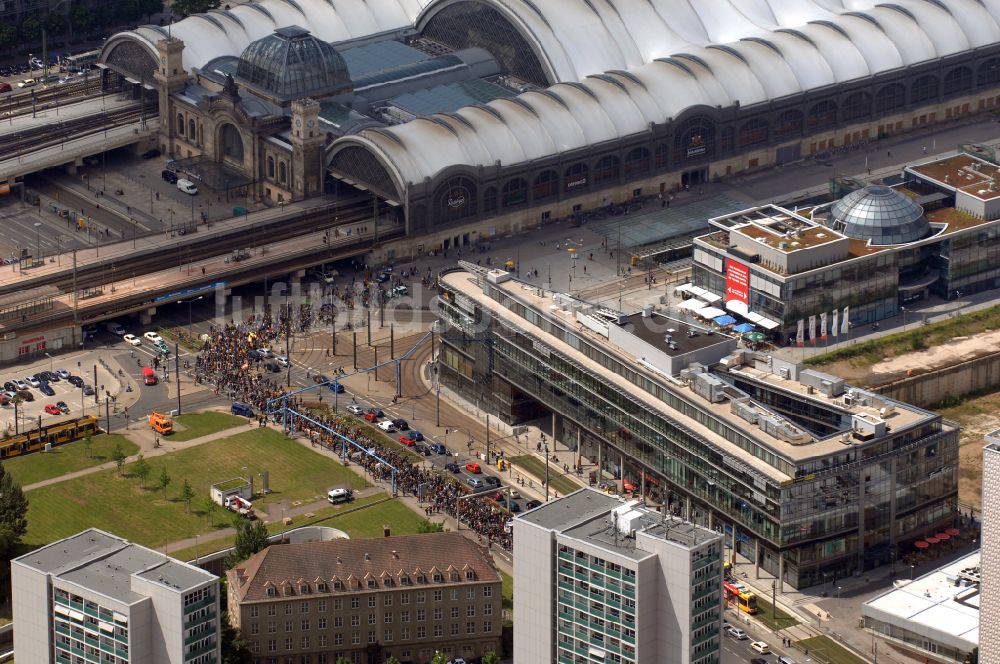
{"points": [[50, 376], [738, 634], [319, 378], [9, 386], [152, 336], [400, 424], [452, 467], [475, 483], [438, 448], [62, 373], [422, 449], [265, 352], [32, 381], [417, 436], [532, 504], [88, 390], [63, 408], [473, 467], [510, 506], [760, 647], [337, 387], [187, 187], [169, 176], [355, 409], [20, 384], [492, 481], [151, 154], [242, 409], [377, 412], [132, 340], [283, 360], [371, 417], [75, 381], [52, 409], [386, 426], [408, 440], [47, 390]]}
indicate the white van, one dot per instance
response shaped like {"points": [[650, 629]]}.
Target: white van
{"points": [[187, 186], [386, 426], [339, 496], [114, 328]]}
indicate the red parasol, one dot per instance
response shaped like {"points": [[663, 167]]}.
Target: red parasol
{"points": [[944, 537], [954, 532], [931, 540], [920, 544]]}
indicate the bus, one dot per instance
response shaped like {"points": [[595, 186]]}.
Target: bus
{"points": [[81, 61], [746, 601], [54, 434]]}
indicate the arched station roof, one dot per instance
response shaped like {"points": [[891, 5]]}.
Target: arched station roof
{"points": [[229, 31], [661, 57]]}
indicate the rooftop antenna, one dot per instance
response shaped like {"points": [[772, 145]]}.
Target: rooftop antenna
{"points": [[614, 527]]}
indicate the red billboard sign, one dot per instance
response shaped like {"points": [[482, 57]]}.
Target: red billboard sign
{"points": [[737, 282]]}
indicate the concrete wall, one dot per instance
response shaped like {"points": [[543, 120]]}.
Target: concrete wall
{"points": [[32, 607], [534, 588], [930, 388], [989, 602]]}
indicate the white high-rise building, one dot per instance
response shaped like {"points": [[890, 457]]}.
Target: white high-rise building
{"points": [[595, 576], [94, 597], [989, 565]]}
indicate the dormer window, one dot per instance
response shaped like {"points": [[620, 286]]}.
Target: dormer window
{"points": [[372, 583], [438, 578], [470, 575], [304, 588], [421, 578], [338, 585], [321, 587], [271, 592]]}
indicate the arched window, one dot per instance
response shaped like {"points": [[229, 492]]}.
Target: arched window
{"points": [[822, 115], [694, 138], [180, 124], [890, 98], [924, 89], [607, 169], [636, 163], [192, 130], [576, 176], [957, 80], [232, 142], [788, 124], [857, 106], [490, 199], [988, 72], [661, 157], [455, 199], [282, 172], [270, 166], [546, 185], [753, 132], [514, 193]]}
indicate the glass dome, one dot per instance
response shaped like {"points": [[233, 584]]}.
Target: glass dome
{"points": [[292, 64], [881, 215]]}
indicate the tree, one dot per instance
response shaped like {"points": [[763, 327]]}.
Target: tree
{"points": [[439, 658], [31, 29], [187, 495], [86, 446], [491, 658], [141, 470], [118, 454], [426, 526], [164, 479], [251, 537], [392, 660], [13, 511], [55, 24], [342, 660], [80, 18], [8, 35], [188, 7]]}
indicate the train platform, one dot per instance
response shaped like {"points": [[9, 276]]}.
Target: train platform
{"points": [[49, 115]]}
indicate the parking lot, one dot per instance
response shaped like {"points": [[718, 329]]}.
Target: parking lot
{"points": [[54, 390]]}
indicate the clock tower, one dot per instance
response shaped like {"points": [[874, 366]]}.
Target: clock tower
{"points": [[170, 79], [307, 149]]}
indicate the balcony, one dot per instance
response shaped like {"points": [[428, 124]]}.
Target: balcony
{"points": [[188, 624], [212, 647], [208, 601]]}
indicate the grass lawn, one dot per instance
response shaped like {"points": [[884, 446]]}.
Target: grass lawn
{"points": [[360, 519], [781, 619], [926, 336], [67, 458], [536, 467], [825, 649], [508, 590], [196, 425], [153, 517]]}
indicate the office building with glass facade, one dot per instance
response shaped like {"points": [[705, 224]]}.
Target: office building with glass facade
{"points": [[600, 579], [94, 597], [869, 253], [809, 478], [989, 601]]}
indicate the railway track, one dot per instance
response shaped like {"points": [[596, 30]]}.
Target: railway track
{"points": [[22, 103], [39, 138]]}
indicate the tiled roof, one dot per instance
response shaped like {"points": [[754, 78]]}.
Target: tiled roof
{"points": [[346, 565]]}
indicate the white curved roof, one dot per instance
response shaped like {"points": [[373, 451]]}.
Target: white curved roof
{"points": [[227, 32], [665, 56]]}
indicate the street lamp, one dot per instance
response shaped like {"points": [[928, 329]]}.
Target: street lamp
{"points": [[189, 303], [50, 362], [38, 242]]}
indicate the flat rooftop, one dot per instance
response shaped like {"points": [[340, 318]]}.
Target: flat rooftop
{"points": [[686, 336], [105, 564], [579, 506], [813, 236], [971, 175], [543, 302], [937, 604]]}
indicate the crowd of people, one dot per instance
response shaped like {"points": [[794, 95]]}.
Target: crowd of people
{"points": [[228, 361], [438, 492]]}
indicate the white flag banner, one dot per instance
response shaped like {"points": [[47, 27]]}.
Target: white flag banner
{"points": [[845, 325], [812, 329], [822, 326], [834, 325], [800, 335]]}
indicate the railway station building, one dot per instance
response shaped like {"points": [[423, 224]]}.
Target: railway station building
{"points": [[808, 477], [582, 105]]}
